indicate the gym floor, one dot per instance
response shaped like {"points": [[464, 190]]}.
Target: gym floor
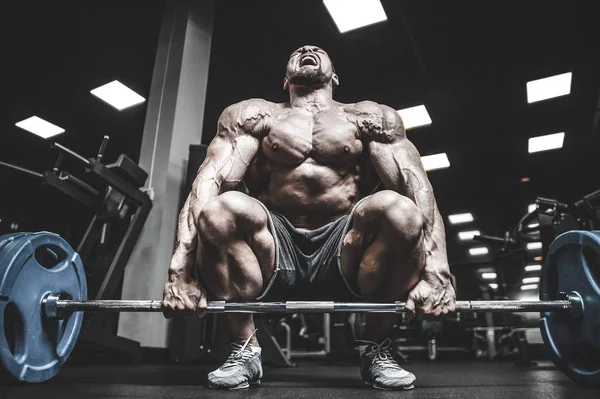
{"points": [[440, 379]]}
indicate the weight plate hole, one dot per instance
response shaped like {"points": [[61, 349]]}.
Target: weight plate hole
{"points": [[47, 257], [55, 330], [13, 329], [592, 259], [551, 279]]}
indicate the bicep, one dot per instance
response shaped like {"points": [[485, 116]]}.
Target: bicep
{"points": [[235, 145], [227, 159], [398, 165]]}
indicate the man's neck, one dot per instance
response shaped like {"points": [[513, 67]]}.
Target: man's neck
{"points": [[311, 99]]}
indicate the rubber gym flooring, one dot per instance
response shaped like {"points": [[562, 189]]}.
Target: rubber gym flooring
{"points": [[440, 379]]}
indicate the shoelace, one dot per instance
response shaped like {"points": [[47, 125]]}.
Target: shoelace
{"points": [[380, 353], [239, 354]]}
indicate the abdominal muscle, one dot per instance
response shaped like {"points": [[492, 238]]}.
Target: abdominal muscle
{"points": [[311, 195]]}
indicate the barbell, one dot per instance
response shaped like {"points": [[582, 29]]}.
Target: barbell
{"points": [[43, 294], [59, 307]]}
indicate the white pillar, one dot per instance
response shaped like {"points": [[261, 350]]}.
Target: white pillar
{"points": [[174, 120]]}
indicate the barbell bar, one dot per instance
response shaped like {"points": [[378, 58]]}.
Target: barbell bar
{"points": [[57, 307]]}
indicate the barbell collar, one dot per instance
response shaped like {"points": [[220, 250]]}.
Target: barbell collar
{"points": [[577, 304], [50, 306]]}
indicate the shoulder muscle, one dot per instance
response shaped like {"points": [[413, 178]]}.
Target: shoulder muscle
{"points": [[379, 122], [248, 116]]}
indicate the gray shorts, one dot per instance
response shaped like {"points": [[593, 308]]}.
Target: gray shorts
{"points": [[307, 263]]}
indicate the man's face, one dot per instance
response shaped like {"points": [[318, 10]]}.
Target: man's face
{"points": [[309, 66]]}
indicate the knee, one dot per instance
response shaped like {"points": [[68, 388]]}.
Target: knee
{"points": [[397, 213], [218, 216], [229, 215]]}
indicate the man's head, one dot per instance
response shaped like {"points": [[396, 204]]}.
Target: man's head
{"points": [[310, 66]]}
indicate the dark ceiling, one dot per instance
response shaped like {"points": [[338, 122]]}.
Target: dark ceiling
{"points": [[468, 62]]}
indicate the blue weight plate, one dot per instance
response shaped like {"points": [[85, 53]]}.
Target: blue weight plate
{"points": [[7, 239], [33, 348], [573, 264]]}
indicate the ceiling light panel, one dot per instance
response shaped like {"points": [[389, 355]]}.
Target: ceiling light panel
{"points": [[550, 87], [459, 218], [353, 14], [435, 161], [118, 95], [40, 127], [527, 287], [546, 142], [533, 268], [478, 251], [414, 117], [468, 235]]}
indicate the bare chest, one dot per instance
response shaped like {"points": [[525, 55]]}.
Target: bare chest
{"points": [[328, 137]]}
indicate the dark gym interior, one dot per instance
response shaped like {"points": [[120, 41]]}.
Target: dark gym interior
{"points": [[112, 181]]}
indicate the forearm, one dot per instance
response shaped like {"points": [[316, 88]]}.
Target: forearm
{"points": [[415, 185], [203, 190], [435, 243], [399, 167], [183, 256]]}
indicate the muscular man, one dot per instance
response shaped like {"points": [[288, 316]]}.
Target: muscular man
{"points": [[341, 209]]}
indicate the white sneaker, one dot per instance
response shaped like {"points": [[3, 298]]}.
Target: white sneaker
{"points": [[379, 369], [242, 368]]}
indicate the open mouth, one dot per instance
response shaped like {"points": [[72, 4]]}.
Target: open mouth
{"points": [[309, 59]]}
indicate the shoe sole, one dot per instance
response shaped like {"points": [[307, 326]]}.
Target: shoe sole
{"points": [[400, 388], [243, 385], [257, 382]]}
